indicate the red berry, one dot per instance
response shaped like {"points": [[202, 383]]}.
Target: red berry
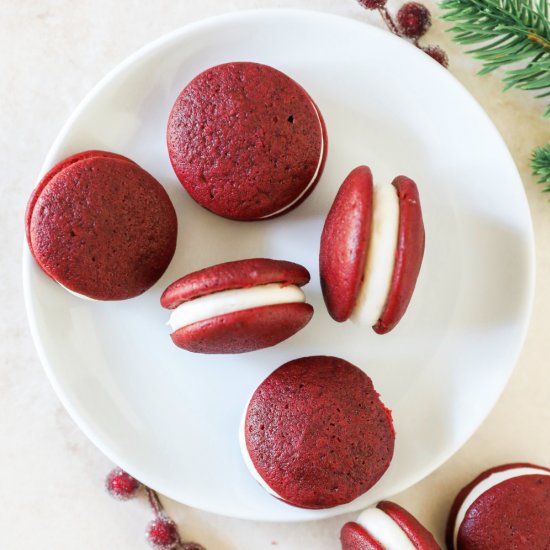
{"points": [[122, 485], [413, 19], [372, 4], [435, 52], [162, 534]]}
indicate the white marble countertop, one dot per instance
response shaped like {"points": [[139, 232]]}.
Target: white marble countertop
{"points": [[51, 477]]}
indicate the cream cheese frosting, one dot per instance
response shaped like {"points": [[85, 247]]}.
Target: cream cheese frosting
{"points": [[81, 296], [229, 301], [380, 261], [384, 529]]}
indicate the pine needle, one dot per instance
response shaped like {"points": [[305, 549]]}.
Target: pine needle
{"points": [[540, 163], [507, 31]]}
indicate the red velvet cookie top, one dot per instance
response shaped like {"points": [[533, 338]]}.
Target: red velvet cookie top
{"points": [[245, 140], [317, 432], [513, 514], [232, 275], [415, 531], [354, 537], [102, 226], [345, 243], [53, 172], [408, 256], [244, 330]]}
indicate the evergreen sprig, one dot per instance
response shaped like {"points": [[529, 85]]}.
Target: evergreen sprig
{"points": [[540, 162], [509, 32]]}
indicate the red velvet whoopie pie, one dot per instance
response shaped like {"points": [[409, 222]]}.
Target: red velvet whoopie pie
{"points": [[246, 141], [386, 526], [236, 307], [372, 246], [315, 433], [505, 507], [101, 226]]}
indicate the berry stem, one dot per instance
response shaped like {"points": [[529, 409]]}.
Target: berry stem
{"points": [[154, 501], [388, 19], [162, 532]]}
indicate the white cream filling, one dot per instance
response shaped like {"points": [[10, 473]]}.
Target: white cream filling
{"points": [[246, 456], [229, 301], [384, 529], [380, 258], [314, 175], [485, 485], [81, 296]]}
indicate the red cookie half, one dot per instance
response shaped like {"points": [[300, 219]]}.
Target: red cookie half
{"points": [[101, 226], [510, 514], [354, 536], [408, 257], [236, 307], [59, 167], [346, 242], [316, 432], [246, 141]]}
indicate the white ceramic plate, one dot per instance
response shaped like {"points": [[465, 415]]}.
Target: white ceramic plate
{"points": [[171, 418]]}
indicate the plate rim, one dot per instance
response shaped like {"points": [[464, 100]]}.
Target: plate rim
{"points": [[223, 19]]}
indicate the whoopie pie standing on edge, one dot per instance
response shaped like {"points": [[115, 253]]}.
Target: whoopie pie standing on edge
{"points": [[246, 141], [101, 226], [372, 247], [315, 433], [386, 526]]}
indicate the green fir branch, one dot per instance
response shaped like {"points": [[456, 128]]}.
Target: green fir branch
{"points": [[507, 31], [540, 163]]}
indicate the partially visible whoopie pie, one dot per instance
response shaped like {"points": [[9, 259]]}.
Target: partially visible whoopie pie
{"points": [[506, 507], [246, 141], [372, 248], [386, 526], [101, 226], [238, 306], [315, 433]]}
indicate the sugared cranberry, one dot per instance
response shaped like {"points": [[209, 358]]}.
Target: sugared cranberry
{"points": [[372, 4], [122, 485], [162, 534], [438, 54], [413, 19]]}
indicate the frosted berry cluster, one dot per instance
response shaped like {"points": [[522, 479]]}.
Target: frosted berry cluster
{"points": [[162, 532], [412, 22]]}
